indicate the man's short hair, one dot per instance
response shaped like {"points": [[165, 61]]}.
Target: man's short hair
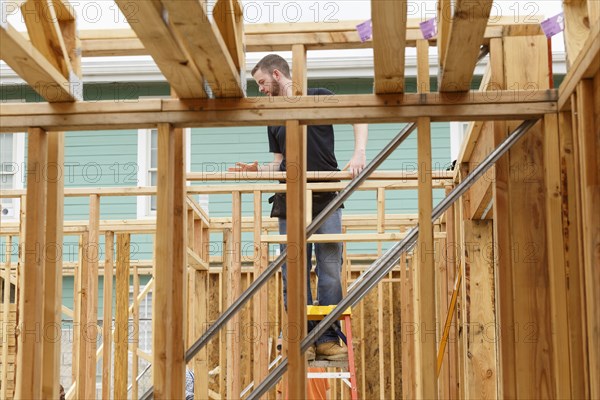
{"points": [[272, 62]]}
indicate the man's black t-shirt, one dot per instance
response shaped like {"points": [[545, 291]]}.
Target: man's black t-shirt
{"points": [[320, 149], [320, 156]]}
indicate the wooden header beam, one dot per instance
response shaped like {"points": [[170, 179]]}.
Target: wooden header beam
{"points": [[261, 111]]}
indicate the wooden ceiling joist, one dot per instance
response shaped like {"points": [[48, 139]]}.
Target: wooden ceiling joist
{"points": [[205, 46], [262, 111], [467, 31], [577, 27], [160, 42], [229, 18], [389, 42], [45, 33], [31, 65]]}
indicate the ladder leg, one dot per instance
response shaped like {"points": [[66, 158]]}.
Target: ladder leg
{"points": [[351, 366]]}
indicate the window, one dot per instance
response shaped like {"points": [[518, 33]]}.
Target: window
{"points": [[12, 156], [147, 168], [458, 133]]}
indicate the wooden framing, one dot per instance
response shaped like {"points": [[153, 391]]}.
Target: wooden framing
{"points": [[35, 69], [536, 282], [425, 372], [53, 267], [282, 36], [389, 42], [274, 111], [296, 264], [145, 17], [206, 47], [467, 29], [29, 356]]}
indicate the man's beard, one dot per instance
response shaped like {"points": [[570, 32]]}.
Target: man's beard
{"points": [[275, 91]]}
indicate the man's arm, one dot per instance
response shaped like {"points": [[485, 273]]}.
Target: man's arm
{"points": [[359, 158], [255, 167]]}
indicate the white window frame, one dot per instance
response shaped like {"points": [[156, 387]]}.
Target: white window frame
{"points": [[18, 152], [143, 161], [458, 133]]}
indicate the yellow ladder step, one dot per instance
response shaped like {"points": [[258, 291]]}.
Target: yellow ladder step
{"points": [[318, 312]]}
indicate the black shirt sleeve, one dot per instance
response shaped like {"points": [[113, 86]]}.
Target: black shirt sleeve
{"points": [[273, 143]]}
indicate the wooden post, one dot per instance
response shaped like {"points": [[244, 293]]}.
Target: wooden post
{"points": [[260, 301], [409, 330], [528, 250], [423, 83], [234, 279], [573, 250], [53, 268], [464, 300], [451, 263], [170, 293], [86, 380], [109, 246], [225, 288], [5, 313], [556, 262], [77, 307], [299, 76], [29, 355], [296, 259], [84, 320], [502, 235], [135, 335], [122, 316], [201, 316], [425, 272], [480, 327], [588, 104]]}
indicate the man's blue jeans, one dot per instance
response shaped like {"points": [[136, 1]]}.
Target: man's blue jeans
{"points": [[328, 269]]}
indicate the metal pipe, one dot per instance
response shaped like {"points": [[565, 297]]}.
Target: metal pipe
{"points": [[386, 263], [312, 228]]}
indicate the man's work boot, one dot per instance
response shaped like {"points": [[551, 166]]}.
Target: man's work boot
{"points": [[310, 353], [332, 351]]}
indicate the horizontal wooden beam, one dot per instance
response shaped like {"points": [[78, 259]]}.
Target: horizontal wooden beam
{"points": [[281, 37], [195, 261], [347, 237], [585, 66], [31, 65], [241, 187], [261, 111], [310, 175]]}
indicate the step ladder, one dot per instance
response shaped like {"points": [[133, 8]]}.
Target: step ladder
{"points": [[317, 313]]}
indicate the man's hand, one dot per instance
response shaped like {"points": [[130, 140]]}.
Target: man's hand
{"points": [[357, 163], [243, 167]]}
